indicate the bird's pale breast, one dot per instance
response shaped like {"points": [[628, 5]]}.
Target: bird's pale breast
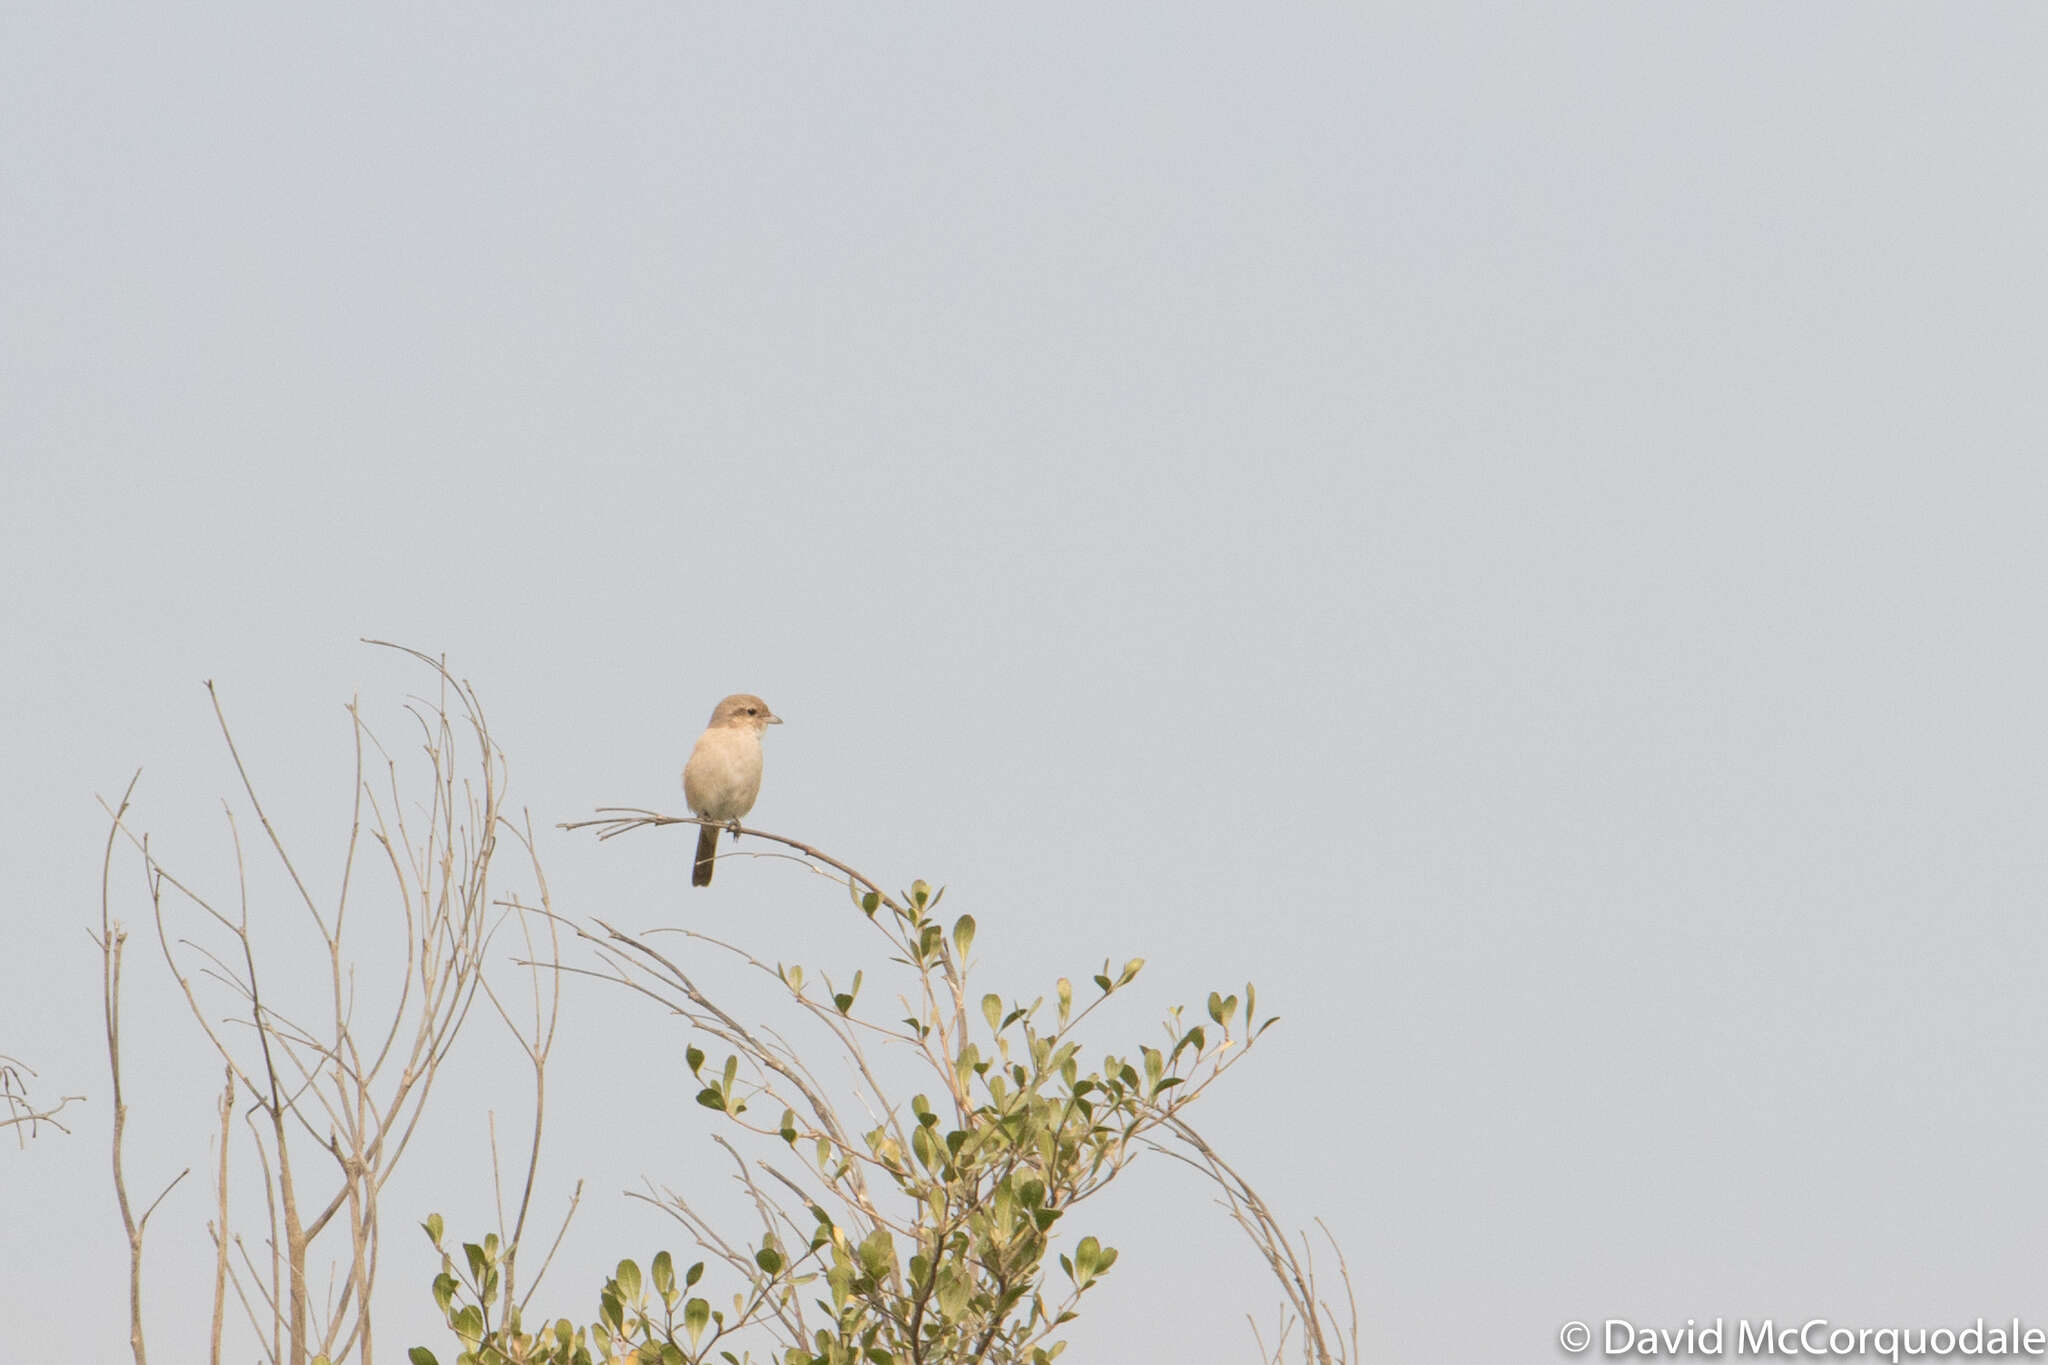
{"points": [[723, 775]]}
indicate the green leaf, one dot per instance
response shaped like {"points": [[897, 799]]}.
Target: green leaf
{"points": [[963, 937], [478, 1262], [433, 1227], [870, 902], [1085, 1254], [695, 1057], [1066, 993], [992, 1010], [420, 1355], [1131, 969], [696, 1316], [920, 893], [693, 1274], [1215, 1007], [876, 1253], [794, 976], [844, 1000], [664, 1273], [839, 1279], [628, 1280], [711, 1099], [786, 1130], [1091, 1259], [953, 1291], [967, 1063]]}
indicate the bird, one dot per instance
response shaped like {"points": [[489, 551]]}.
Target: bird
{"points": [[723, 775]]}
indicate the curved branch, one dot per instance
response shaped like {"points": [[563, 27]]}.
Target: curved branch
{"points": [[612, 821]]}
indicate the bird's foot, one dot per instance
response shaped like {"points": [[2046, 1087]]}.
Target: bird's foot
{"points": [[733, 825]]}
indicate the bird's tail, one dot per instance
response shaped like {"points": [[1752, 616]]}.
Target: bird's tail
{"points": [[707, 846]]}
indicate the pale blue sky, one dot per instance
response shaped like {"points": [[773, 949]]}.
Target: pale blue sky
{"points": [[1517, 528]]}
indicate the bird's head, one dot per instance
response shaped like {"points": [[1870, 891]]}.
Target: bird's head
{"points": [[744, 710]]}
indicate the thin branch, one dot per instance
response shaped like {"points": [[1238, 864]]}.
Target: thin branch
{"points": [[22, 1112], [113, 940], [575, 1199], [220, 1228], [1295, 1271], [612, 821]]}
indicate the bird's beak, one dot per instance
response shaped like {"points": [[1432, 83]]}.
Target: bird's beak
{"points": [[772, 720]]}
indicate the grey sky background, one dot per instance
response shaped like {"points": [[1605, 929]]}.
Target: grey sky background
{"points": [[1518, 529]]}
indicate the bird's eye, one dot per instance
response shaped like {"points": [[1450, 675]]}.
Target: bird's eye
{"points": [[752, 712]]}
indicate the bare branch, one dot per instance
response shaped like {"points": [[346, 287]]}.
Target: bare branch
{"points": [[113, 941], [612, 821], [1322, 1340], [220, 1227], [22, 1112], [339, 1088]]}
